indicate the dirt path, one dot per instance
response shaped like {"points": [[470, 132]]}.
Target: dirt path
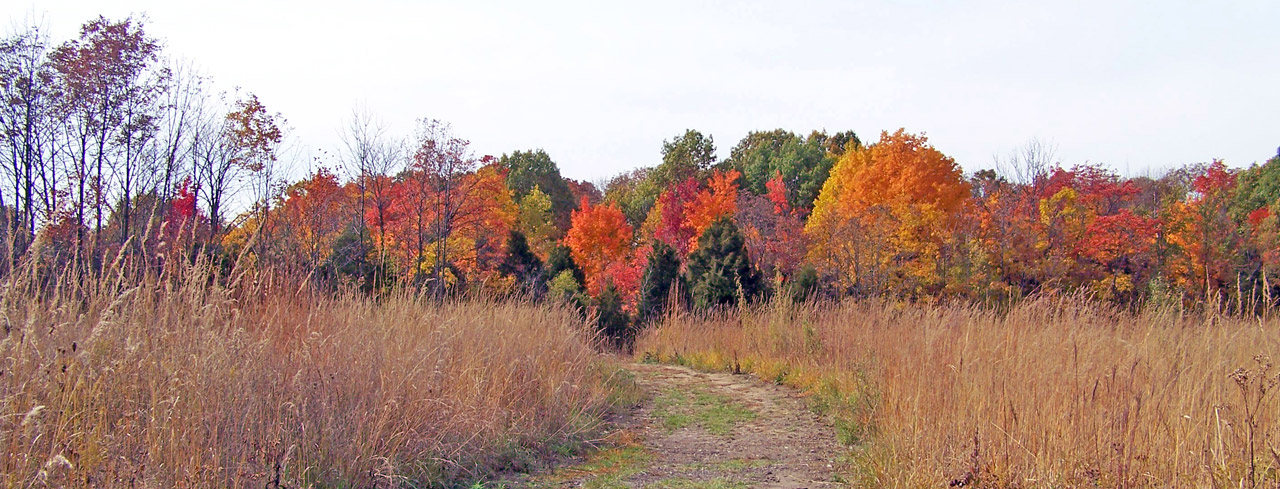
{"points": [[709, 430]]}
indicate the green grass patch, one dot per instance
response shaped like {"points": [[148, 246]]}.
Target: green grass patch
{"points": [[605, 469], [681, 483], [719, 415]]}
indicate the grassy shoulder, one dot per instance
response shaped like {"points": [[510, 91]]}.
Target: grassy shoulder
{"points": [[176, 381], [1052, 392]]}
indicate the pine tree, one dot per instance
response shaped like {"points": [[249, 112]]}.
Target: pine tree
{"points": [[661, 273], [611, 320], [719, 268], [560, 260], [522, 264]]}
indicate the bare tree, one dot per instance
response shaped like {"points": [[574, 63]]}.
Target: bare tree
{"points": [[180, 115], [214, 171], [370, 157], [1029, 163], [25, 98]]}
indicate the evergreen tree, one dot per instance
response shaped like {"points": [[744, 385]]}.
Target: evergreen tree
{"points": [[522, 264], [612, 322], [560, 260], [719, 268], [661, 273], [804, 285]]}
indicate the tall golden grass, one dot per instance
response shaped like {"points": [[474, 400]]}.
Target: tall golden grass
{"points": [[175, 382], [1055, 392]]}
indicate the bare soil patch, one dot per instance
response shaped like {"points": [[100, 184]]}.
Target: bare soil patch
{"points": [[708, 430]]}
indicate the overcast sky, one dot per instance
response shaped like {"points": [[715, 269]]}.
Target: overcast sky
{"points": [[1135, 85]]}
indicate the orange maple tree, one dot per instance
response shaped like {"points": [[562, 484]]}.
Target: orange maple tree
{"points": [[598, 236], [719, 199]]}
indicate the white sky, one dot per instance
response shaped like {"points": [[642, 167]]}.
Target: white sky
{"points": [[1136, 85]]}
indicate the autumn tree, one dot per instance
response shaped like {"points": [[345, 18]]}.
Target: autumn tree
{"points": [[256, 134], [582, 189], [887, 207], [599, 235], [1206, 236], [109, 81], [313, 213], [230, 147], [717, 201], [371, 157], [774, 231], [1120, 245], [668, 221], [537, 223], [441, 162]]}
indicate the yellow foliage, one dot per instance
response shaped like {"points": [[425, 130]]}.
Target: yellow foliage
{"points": [[885, 212]]}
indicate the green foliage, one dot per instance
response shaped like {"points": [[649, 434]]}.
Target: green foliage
{"points": [[720, 268], [1258, 187], [635, 193], [688, 155], [347, 262], [803, 162], [804, 285], [521, 264], [527, 170], [717, 414], [837, 144], [661, 273], [561, 260], [563, 287], [611, 320]]}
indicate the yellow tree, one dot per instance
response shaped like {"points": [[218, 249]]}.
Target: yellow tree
{"points": [[536, 222], [883, 216]]}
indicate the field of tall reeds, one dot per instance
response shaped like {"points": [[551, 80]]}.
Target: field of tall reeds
{"points": [[172, 380], [1054, 392]]}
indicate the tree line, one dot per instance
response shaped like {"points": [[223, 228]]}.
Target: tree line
{"points": [[113, 148]]}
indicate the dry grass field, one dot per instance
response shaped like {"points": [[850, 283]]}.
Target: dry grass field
{"points": [[1052, 393], [173, 382]]}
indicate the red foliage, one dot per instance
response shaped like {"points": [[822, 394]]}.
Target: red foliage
{"points": [[1258, 215], [777, 193], [673, 226], [1117, 240], [1215, 180]]}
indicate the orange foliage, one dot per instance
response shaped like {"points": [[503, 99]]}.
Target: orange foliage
{"points": [[885, 212], [312, 214], [598, 237], [719, 199]]}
